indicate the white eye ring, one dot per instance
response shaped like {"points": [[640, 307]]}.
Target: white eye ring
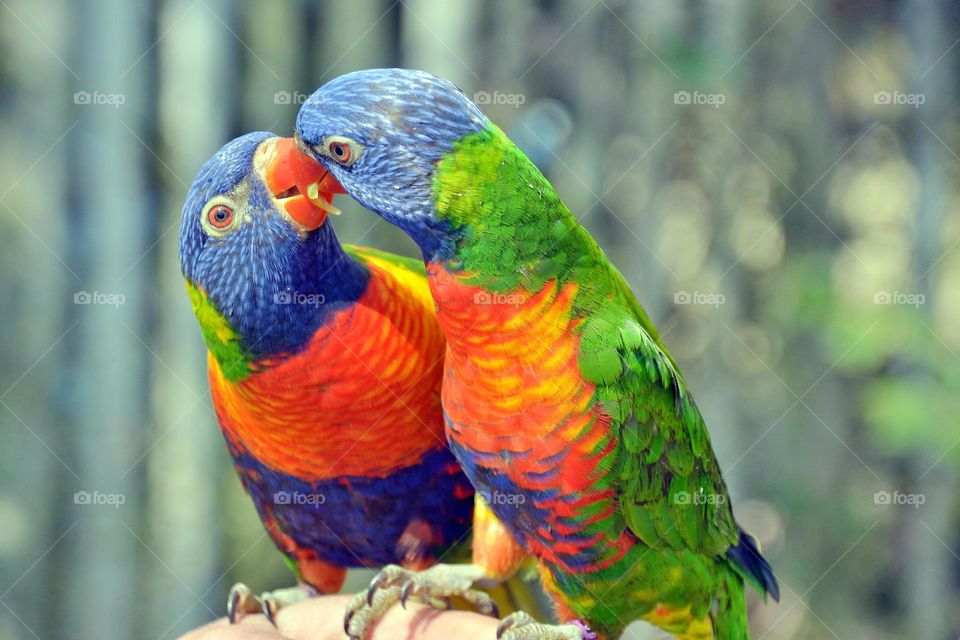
{"points": [[219, 216], [342, 149]]}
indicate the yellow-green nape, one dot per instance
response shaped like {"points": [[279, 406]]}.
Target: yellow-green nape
{"points": [[221, 339]]}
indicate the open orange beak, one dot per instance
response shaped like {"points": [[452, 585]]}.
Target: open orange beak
{"points": [[299, 184]]}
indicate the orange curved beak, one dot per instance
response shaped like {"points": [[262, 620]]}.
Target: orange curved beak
{"points": [[299, 184]]}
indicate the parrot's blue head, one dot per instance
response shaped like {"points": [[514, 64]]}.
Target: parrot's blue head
{"points": [[381, 133], [261, 265]]}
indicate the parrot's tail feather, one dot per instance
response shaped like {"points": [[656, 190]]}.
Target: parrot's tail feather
{"points": [[752, 566]]}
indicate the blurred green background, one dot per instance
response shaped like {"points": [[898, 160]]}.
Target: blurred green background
{"points": [[777, 180]]}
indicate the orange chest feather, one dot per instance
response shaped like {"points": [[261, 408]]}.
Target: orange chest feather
{"points": [[362, 399], [511, 378]]}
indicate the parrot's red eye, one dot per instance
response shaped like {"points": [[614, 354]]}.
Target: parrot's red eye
{"points": [[340, 152], [344, 150], [220, 216]]}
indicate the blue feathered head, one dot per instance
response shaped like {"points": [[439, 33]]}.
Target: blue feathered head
{"points": [[381, 132], [253, 269]]}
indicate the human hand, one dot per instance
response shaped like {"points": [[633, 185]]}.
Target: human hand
{"points": [[321, 618]]}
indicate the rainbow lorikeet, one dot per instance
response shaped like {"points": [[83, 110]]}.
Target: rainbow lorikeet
{"points": [[325, 366], [561, 401]]}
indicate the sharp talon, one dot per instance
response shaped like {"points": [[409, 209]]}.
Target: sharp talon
{"points": [[232, 606], [504, 625], [269, 610], [375, 584], [405, 593], [346, 622], [494, 610]]}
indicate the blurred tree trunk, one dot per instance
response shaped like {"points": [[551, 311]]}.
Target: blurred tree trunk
{"points": [[809, 145], [441, 42], [719, 33], [36, 488], [109, 190], [196, 114], [929, 564], [657, 24]]}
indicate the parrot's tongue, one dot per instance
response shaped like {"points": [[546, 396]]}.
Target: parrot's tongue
{"points": [[299, 184]]}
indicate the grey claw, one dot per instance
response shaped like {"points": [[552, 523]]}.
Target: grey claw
{"points": [[346, 622], [375, 584], [405, 593], [504, 625], [269, 610], [232, 606]]}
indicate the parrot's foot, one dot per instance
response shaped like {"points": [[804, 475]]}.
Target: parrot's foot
{"points": [[241, 600], [436, 585], [521, 626], [362, 615]]}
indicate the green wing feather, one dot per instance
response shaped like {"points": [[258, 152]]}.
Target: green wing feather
{"points": [[671, 489], [501, 200]]}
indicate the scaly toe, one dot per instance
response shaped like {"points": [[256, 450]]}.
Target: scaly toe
{"points": [[512, 621], [521, 626], [360, 616], [387, 577]]}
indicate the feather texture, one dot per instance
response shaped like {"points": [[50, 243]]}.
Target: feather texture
{"points": [[562, 403], [561, 391], [325, 367]]}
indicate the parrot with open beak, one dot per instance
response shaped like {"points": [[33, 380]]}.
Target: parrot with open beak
{"points": [[560, 399], [325, 366]]}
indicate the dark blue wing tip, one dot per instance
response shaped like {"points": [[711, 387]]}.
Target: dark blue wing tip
{"points": [[746, 556]]}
